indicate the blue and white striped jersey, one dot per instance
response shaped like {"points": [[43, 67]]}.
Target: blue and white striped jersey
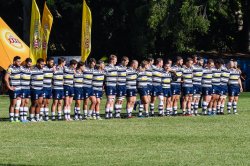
{"points": [[216, 76], [78, 79], [48, 75], [87, 77], [207, 77], [69, 76], [98, 79], [197, 74], [25, 77], [178, 71], [58, 78], [142, 79], [36, 78], [149, 75], [15, 76], [166, 80], [156, 76], [224, 76], [187, 77], [111, 75], [121, 75], [131, 78], [234, 76]]}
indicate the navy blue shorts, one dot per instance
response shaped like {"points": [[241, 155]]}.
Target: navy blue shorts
{"points": [[58, 94], [78, 93], [223, 90], [121, 91], [188, 91], [69, 91], [176, 89], [47, 93], [97, 94], [167, 92], [157, 91], [233, 90], [15, 94], [143, 91], [36, 94], [197, 89], [87, 92], [207, 91], [131, 92], [26, 94], [110, 90], [216, 89], [150, 87]]}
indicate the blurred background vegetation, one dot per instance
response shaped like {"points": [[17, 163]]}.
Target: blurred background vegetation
{"points": [[140, 28]]}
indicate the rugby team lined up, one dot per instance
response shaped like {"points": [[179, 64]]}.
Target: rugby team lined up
{"points": [[82, 86]]}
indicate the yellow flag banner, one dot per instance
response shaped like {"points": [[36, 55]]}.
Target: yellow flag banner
{"points": [[35, 33], [47, 22], [10, 46], [86, 32]]}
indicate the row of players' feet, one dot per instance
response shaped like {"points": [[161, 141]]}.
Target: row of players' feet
{"points": [[116, 116]]}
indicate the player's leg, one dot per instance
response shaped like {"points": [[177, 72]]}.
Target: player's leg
{"points": [[38, 107], [11, 109], [25, 109], [235, 102], [66, 105], [168, 106], [46, 103], [184, 104], [144, 100], [97, 108], [54, 108], [91, 112], [160, 105], [189, 103], [59, 108], [77, 109]]}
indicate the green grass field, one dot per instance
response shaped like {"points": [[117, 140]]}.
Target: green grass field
{"points": [[217, 140]]}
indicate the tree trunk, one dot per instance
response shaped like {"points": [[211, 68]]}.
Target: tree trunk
{"points": [[26, 20]]}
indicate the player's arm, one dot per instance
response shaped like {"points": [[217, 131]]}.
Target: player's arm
{"points": [[6, 79], [239, 81]]}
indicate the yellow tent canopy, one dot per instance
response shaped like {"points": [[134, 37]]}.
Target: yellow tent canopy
{"points": [[10, 46]]}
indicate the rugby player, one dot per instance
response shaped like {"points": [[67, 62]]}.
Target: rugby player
{"points": [[187, 85], [48, 71], [110, 85], [234, 88], [69, 88], [121, 85], [142, 85], [157, 87], [57, 91], [25, 83], [13, 82], [98, 79], [37, 93], [176, 84], [131, 87]]}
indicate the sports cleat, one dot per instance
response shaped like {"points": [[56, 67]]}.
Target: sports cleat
{"points": [[24, 121], [140, 116], [60, 118], [17, 121], [33, 120], [53, 118], [94, 118], [235, 113], [110, 115], [98, 118]]}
